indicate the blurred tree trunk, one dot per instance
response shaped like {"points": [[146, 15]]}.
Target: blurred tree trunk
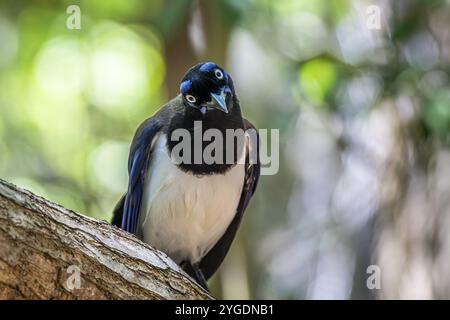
{"points": [[413, 246], [205, 21], [49, 252], [407, 225]]}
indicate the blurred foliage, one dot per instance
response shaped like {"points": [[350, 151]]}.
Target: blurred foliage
{"points": [[70, 101], [316, 79]]}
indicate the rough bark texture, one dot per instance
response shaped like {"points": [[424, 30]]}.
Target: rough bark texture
{"points": [[43, 246]]}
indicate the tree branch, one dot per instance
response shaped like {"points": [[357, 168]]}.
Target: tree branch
{"points": [[44, 247]]}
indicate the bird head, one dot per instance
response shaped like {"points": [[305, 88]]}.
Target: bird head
{"points": [[206, 86]]}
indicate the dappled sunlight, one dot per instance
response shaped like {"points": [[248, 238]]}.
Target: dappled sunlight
{"points": [[108, 166], [124, 69]]}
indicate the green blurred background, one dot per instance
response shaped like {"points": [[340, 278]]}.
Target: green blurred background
{"points": [[363, 114]]}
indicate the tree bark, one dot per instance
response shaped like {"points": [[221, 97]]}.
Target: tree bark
{"points": [[49, 252]]}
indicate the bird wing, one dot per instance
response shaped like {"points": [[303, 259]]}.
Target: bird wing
{"points": [[126, 212], [213, 259]]}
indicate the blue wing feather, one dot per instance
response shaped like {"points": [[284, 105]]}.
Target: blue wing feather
{"points": [[137, 170]]}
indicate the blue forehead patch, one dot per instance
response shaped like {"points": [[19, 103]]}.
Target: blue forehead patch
{"points": [[208, 66], [185, 86]]}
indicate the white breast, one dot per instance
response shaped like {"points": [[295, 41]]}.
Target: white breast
{"points": [[185, 215]]}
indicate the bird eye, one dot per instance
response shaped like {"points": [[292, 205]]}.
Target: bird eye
{"points": [[218, 73], [190, 98]]}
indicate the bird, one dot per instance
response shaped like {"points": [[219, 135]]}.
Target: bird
{"points": [[190, 210]]}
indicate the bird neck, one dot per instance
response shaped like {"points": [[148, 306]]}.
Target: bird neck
{"points": [[213, 119]]}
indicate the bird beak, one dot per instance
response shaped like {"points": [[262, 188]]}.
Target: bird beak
{"points": [[218, 101]]}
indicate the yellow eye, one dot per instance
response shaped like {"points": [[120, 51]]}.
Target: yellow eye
{"points": [[190, 98], [218, 73]]}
